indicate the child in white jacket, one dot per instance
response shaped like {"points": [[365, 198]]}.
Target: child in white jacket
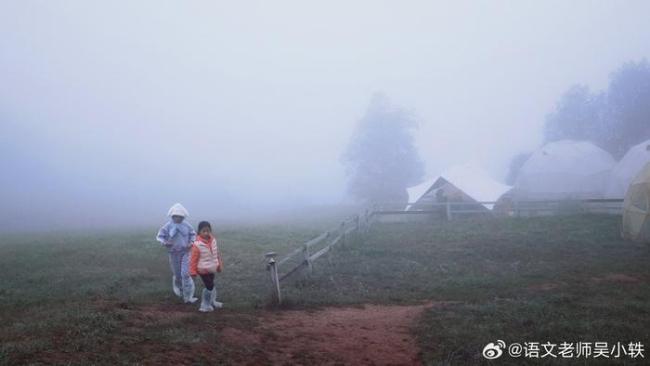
{"points": [[177, 236]]}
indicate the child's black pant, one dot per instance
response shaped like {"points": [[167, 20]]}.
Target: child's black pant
{"points": [[208, 281]]}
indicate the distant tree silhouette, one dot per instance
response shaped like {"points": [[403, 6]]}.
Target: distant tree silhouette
{"points": [[577, 116], [614, 120], [381, 159], [628, 108]]}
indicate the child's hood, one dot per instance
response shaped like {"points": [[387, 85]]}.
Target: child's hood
{"points": [[178, 210]]}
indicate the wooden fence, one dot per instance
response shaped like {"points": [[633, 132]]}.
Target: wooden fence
{"points": [[450, 210], [303, 257]]}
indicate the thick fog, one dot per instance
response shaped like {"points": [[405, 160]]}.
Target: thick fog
{"points": [[111, 111]]}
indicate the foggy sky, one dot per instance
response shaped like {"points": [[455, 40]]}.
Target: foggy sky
{"points": [[112, 111]]}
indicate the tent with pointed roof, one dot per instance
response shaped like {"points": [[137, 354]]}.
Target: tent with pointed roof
{"points": [[459, 184]]}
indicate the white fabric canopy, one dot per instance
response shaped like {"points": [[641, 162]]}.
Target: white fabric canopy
{"points": [[474, 182], [626, 169], [565, 169], [417, 192]]}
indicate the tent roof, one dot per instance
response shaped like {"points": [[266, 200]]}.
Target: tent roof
{"points": [[643, 176], [626, 169], [473, 181], [565, 169], [416, 192], [569, 156]]}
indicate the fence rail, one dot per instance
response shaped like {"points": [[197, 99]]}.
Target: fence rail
{"points": [[304, 253], [452, 209], [304, 256]]}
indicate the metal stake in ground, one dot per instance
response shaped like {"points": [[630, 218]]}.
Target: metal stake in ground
{"points": [[271, 266]]}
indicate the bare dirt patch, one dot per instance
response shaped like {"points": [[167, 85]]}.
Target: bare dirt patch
{"points": [[367, 335], [362, 335]]}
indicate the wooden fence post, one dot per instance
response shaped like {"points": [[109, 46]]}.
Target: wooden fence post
{"points": [[329, 257], [306, 255], [448, 210], [366, 221], [275, 280], [516, 204]]}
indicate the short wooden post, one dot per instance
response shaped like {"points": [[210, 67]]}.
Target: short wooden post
{"points": [[448, 210], [366, 221], [357, 226], [306, 254], [516, 204], [329, 257], [342, 234], [275, 280]]}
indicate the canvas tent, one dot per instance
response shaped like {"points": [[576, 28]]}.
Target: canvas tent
{"points": [[626, 169], [459, 184], [564, 170], [636, 208]]}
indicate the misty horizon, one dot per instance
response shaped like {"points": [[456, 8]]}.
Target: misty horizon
{"points": [[112, 112]]}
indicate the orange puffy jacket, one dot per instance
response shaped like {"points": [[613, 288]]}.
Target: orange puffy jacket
{"points": [[205, 257]]}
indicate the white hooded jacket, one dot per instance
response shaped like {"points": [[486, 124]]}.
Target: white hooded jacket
{"points": [[177, 237], [178, 210]]}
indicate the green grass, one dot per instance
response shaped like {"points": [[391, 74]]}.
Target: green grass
{"points": [[78, 298], [76, 292], [551, 279]]}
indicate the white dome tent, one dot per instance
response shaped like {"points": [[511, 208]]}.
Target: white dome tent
{"points": [[626, 169], [564, 169]]}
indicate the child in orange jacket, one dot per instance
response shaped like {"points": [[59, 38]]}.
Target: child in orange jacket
{"points": [[205, 262]]}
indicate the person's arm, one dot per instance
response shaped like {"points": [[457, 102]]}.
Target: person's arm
{"points": [[163, 235], [192, 237], [194, 261]]}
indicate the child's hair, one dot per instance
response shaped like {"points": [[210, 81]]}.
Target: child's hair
{"points": [[204, 224]]}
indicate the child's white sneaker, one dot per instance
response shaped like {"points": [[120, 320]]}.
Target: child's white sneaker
{"points": [[206, 298]]}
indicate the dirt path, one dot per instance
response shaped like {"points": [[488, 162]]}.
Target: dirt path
{"points": [[368, 335], [362, 335]]}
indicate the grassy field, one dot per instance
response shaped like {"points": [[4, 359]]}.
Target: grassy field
{"points": [[104, 298]]}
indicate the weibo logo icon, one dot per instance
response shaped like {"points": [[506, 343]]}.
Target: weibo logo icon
{"points": [[493, 351]]}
